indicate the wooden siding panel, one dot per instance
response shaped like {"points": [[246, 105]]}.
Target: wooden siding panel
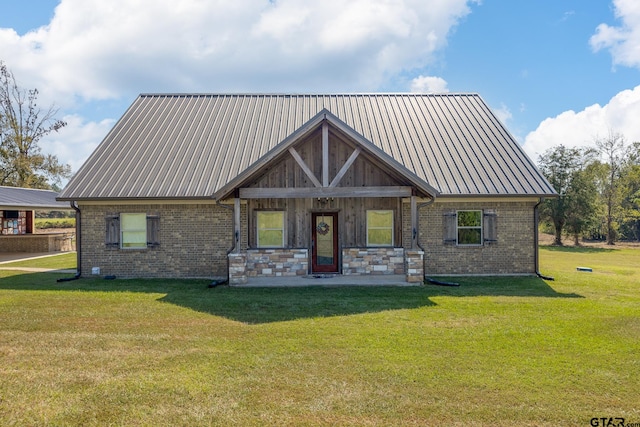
{"points": [[366, 171], [352, 214]]}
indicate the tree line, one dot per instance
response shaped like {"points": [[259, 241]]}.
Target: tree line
{"points": [[598, 188], [23, 124]]}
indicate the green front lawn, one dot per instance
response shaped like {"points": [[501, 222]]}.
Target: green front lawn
{"points": [[64, 261], [495, 351]]}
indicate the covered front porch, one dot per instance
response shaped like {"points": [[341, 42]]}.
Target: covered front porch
{"points": [[359, 266], [325, 203]]}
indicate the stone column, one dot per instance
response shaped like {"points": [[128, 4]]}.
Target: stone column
{"points": [[414, 260], [237, 268]]}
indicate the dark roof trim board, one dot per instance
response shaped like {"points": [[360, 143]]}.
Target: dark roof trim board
{"points": [[186, 146], [312, 125]]}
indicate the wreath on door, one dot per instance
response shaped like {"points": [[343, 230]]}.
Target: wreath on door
{"points": [[322, 228]]}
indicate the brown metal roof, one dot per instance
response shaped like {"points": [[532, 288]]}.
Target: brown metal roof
{"points": [[192, 145]]}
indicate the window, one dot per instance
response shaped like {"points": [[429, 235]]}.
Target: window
{"points": [[132, 231], [469, 228], [270, 226], [380, 228]]}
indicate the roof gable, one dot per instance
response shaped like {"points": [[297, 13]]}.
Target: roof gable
{"points": [[324, 116], [192, 145]]}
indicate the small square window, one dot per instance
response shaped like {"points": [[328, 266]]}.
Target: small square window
{"points": [[270, 229], [380, 228]]}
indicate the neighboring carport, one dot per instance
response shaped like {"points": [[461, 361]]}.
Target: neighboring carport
{"points": [[17, 214]]}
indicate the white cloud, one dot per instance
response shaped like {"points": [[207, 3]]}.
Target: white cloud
{"points": [[581, 129], [503, 113], [429, 84], [623, 41], [76, 141], [95, 50]]}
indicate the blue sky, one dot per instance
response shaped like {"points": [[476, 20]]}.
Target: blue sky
{"points": [[555, 71]]}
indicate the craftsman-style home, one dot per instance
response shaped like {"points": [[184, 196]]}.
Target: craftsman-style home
{"points": [[244, 186]]}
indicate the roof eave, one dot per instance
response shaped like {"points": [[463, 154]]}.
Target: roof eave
{"points": [[499, 195]]}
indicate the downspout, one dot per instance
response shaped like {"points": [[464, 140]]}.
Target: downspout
{"points": [[428, 279], [234, 239], [75, 207], [536, 218]]}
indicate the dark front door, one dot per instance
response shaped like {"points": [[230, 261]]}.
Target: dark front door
{"points": [[324, 247]]}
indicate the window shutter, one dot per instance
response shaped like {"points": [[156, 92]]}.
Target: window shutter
{"points": [[490, 226], [112, 235], [449, 226], [153, 228]]}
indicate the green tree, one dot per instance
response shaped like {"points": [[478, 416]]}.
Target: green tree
{"points": [[573, 210], [22, 126], [597, 173], [583, 204], [630, 206], [612, 150]]}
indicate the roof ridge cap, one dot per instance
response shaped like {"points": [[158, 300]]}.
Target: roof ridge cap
{"points": [[283, 94]]}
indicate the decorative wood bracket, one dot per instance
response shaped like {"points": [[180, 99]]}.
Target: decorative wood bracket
{"points": [[325, 163], [304, 167]]}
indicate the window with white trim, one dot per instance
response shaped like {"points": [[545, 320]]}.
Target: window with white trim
{"points": [[379, 228], [270, 229]]}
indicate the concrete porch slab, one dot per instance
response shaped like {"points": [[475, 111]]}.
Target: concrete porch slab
{"points": [[328, 280]]}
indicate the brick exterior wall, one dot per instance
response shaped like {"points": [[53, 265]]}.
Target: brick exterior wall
{"points": [[513, 253], [33, 243], [406, 225], [360, 261], [194, 240]]}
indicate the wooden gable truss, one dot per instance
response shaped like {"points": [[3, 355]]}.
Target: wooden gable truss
{"points": [[327, 160]]}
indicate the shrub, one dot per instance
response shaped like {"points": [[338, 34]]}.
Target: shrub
{"points": [[43, 224]]}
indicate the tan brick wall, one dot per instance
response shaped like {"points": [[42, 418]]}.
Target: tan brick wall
{"points": [[513, 253], [33, 243], [194, 240], [406, 225]]}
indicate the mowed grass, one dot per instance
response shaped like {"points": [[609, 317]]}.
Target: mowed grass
{"points": [[495, 351], [63, 261]]}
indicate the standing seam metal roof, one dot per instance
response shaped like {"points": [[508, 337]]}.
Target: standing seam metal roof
{"points": [[192, 145]]}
